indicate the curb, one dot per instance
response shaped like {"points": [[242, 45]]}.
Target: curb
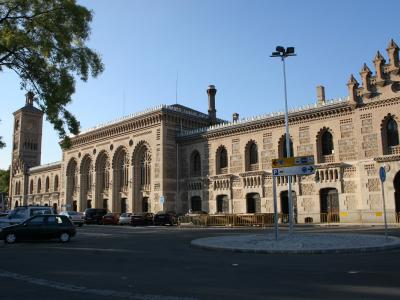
{"points": [[353, 250]]}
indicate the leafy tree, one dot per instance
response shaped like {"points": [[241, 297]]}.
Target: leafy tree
{"points": [[4, 181], [43, 41], [2, 144]]}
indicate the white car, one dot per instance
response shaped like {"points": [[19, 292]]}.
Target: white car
{"points": [[76, 217], [124, 219], [22, 213]]}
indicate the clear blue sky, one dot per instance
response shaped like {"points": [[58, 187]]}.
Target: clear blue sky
{"points": [[144, 43]]}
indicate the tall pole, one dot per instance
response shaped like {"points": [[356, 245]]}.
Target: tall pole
{"points": [[288, 152], [283, 53]]}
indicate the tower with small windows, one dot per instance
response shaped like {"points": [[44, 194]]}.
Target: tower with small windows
{"points": [[26, 146]]}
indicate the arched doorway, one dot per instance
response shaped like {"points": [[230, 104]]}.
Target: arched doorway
{"points": [[195, 202], [16, 204], [285, 206], [329, 201], [253, 203], [396, 184], [105, 204], [55, 208], [145, 204], [222, 204], [75, 206]]}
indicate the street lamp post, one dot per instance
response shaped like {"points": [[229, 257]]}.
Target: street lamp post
{"points": [[283, 53]]}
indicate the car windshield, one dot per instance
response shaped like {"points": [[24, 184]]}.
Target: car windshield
{"points": [[17, 214], [72, 213], [41, 211], [125, 215]]}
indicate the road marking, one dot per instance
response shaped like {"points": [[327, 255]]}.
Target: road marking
{"points": [[93, 249], [84, 290]]}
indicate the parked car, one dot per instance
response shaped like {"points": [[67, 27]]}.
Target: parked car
{"points": [[165, 218], [94, 215], [77, 218], [110, 219], [142, 219], [40, 227], [124, 219], [22, 213]]}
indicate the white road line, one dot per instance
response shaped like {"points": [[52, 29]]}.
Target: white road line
{"points": [[85, 290], [92, 249]]}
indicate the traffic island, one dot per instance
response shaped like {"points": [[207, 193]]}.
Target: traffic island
{"points": [[299, 243]]}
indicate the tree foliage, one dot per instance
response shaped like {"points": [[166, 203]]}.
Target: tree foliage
{"points": [[43, 41], [4, 181]]}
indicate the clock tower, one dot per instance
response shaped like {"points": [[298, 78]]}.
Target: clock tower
{"points": [[27, 137]]}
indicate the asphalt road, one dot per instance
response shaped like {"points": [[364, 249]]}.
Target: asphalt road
{"points": [[112, 262]]}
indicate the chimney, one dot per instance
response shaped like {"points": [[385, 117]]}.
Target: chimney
{"points": [[212, 113], [29, 98], [320, 95], [235, 117]]}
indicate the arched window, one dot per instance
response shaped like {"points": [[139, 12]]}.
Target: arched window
{"points": [[392, 133], [195, 163], [31, 187], [285, 152], [56, 183], [145, 168], [47, 184], [39, 185], [253, 154], [223, 158], [327, 143]]}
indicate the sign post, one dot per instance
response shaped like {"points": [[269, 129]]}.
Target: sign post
{"points": [[275, 208], [382, 176], [289, 166]]}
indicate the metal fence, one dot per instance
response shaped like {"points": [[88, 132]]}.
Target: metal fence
{"points": [[267, 219], [228, 220]]}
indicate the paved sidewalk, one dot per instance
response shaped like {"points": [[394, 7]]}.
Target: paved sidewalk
{"points": [[299, 243]]}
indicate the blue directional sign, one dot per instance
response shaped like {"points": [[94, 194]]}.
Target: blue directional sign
{"points": [[162, 200], [382, 174], [296, 170]]}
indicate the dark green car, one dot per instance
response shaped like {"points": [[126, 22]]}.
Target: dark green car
{"points": [[40, 227]]}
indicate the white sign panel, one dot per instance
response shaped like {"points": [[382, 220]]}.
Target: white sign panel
{"points": [[296, 170]]}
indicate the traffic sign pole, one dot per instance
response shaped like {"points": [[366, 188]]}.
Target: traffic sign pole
{"points": [[275, 208], [382, 175]]}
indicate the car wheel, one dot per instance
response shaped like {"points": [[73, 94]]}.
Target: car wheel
{"points": [[10, 238], [64, 237]]}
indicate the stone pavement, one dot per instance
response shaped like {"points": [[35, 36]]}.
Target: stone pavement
{"points": [[299, 243]]}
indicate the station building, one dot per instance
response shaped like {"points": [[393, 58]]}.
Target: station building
{"points": [[174, 158]]}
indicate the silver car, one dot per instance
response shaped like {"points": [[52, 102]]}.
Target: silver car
{"points": [[124, 219], [76, 217]]}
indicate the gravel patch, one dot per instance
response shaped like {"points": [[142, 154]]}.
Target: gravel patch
{"points": [[299, 243]]}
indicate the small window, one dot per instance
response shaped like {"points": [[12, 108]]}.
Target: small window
{"points": [[54, 220], [37, 220]]}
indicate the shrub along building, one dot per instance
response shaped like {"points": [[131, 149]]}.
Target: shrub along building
{"points": [[196, 161]]}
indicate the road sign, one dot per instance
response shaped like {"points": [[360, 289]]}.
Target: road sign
{"points": [[162, 200], [382, 173], [296, 170], [292, 161]]}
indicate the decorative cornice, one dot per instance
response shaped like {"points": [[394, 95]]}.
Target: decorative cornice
{"points": [[387, 158], [50, 166], [273, 120], [252, 173]]}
